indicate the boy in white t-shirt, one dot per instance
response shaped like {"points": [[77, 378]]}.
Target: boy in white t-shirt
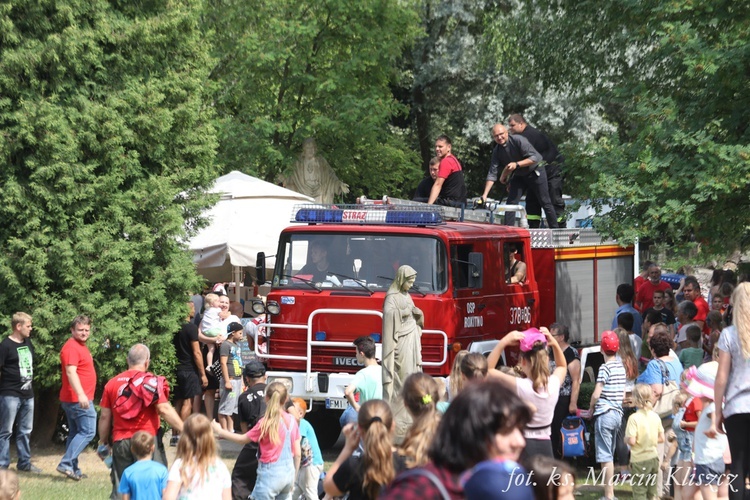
{"points": [[368, 382]]}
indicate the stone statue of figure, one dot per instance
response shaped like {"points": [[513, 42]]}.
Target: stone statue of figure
{"points": [[402, 343], [313, 176]]}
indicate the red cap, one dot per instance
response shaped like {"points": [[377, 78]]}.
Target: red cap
{"points": [[610, 342]]}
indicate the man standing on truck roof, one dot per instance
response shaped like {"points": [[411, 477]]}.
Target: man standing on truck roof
{"points": [[553, 162], [519, 161], [449, 188]]}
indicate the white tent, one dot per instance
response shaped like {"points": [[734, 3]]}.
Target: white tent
{"points": [[247, 219]]}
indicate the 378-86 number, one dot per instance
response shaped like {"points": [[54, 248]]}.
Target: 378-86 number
{"points": [[520, 315]]}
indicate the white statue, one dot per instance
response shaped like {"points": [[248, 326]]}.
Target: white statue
{"points": [[402, 344], [313, 176]]}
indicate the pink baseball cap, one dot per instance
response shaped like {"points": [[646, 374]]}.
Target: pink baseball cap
{"points": [[610, 342], [531, 337]]}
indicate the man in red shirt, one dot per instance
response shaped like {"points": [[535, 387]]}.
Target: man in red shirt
{"points": [[644, 298], [642, 276], [119, 430], [692, 291], [449, 187], [77, 395]]}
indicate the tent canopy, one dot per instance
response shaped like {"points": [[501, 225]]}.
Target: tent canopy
{"points": [[247, 219]]}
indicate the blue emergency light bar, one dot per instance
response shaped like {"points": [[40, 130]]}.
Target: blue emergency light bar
{"points": [[398, 215]]}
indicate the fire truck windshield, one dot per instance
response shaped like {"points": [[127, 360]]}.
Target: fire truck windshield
{"points": [[358, 261]]}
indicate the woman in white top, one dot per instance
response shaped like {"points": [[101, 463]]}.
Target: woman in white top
{"points": [[733, 387], [539, 388]]}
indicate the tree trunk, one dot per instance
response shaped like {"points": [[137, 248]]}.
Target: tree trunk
{"points": [[46, 410]]}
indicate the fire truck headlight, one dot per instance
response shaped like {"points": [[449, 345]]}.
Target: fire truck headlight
{"points": [[286, 381], [258, 306], [273, 307]]}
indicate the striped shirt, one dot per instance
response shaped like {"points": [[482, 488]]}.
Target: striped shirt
{"points": [[612, 376]]}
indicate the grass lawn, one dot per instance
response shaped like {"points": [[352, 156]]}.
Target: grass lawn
{"points": [[54, 486]]}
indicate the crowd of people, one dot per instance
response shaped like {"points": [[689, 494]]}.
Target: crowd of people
{"points": [[670, 407]]}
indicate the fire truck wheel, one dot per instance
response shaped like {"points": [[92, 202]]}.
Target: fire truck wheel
{"points": [[326, 425]]}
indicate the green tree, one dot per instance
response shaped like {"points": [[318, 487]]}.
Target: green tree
{"points": [[288, 71], [106, 149], [672, 78]]}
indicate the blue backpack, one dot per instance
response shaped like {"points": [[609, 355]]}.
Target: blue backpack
{"points": [[573, 437]]}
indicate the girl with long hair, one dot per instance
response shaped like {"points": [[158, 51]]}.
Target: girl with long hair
{"points": [[455, 381], [629, 362], [733, 387], [669, 301], [474, 366], [627, 356], [420, 395], [278, 437], [539, 388], [364, 476], [197, 472], [715, 324]]}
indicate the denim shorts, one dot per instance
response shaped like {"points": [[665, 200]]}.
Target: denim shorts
{"points": [[606, 429], [709, 473]]}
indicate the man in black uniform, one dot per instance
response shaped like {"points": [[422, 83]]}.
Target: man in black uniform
{"points": [[519, 162], [250, 408], [553, 162]]}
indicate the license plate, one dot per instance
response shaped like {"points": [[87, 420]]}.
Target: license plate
{"points": [[336, 403]]}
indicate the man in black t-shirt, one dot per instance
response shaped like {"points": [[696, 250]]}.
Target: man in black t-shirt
{"points": [[423, 189], [16, 393], [191, 372], [250, 408]]}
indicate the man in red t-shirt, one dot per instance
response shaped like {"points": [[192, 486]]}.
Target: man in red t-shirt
{"points": [[77, 395], [449, 187], [692, 291], [113, 427], [644, 299]]}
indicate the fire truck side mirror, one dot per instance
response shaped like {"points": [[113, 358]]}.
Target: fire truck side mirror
{"points": [[260, 267], [475, 269]]}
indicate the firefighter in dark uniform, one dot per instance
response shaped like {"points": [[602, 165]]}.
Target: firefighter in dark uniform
{"points": [[553, 163]]}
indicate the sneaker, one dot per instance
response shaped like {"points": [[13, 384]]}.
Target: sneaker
{"points": [[173, 440], [69, 473], [31, 468], [80, 475]]}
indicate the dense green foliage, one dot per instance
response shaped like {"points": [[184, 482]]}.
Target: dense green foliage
{"points": [[105, 149], [286, 71], [672, 76]]}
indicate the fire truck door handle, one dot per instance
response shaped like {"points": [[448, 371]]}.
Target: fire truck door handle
{"points": [[481, 306], [530, 301]]}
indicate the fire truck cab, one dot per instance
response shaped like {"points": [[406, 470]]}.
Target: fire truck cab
{"points": [[333, 271]]}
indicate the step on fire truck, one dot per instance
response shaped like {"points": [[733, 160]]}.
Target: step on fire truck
{"points": [[462, 258]]}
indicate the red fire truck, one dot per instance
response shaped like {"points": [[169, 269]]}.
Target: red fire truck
{"points": [[462, 287]]}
